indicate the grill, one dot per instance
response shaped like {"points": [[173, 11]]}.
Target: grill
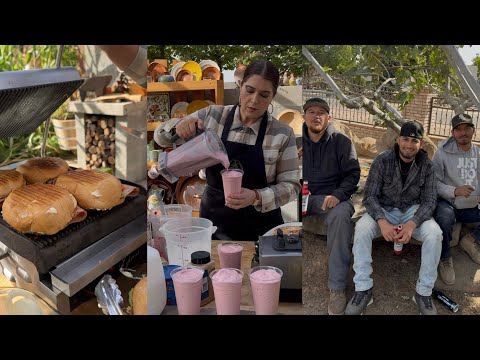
{"points": [[57, 267], [45, 252]]}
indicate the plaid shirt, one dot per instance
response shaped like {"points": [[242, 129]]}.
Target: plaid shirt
{"points": [[279, 152], [384, 188]]}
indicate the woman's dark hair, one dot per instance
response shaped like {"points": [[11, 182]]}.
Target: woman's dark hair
{"points": [[266, 70]]}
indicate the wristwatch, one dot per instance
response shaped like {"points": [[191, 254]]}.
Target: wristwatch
{"points": [[257, 198]]}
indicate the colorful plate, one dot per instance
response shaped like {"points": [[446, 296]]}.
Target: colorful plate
{"points": [[176, 68], [211, 73], [179, 110], [194, 69], [196, 105], [207, 63]]}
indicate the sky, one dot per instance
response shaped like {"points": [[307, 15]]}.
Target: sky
{"points": [[468, 53]]}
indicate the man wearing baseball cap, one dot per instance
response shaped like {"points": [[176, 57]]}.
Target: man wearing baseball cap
{"points": [[330, 165], [400, 189], [456, 165]]}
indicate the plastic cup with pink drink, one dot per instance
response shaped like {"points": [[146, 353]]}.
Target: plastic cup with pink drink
{"points": [[227, 285], [187, 282], [230, 255], [232, 181], [265, 282]]}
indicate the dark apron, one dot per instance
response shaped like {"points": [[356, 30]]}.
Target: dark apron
{"points": [[246, 223]]}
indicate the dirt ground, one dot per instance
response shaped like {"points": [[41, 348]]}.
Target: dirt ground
{"points": [[394, 276]]}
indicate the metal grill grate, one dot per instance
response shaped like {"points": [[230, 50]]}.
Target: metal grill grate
{"points": [[46, 251], [22, 110], [43, 241]]}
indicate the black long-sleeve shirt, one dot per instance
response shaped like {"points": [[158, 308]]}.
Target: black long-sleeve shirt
{"points": [[331, 164]]}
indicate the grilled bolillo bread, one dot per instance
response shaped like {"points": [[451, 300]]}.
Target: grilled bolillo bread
{"points": [[140, 298], [39, 209], [93, 189], [42, 169], [9, 181]]}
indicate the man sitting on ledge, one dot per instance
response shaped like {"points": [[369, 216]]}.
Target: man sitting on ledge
{"points": [[456, 166], [330, 165], [400, 189]]}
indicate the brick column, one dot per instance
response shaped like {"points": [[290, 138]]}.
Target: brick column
{"points": [[419, 108]]}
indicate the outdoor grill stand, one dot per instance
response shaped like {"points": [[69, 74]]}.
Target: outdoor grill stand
{"points": [[57, 267]]}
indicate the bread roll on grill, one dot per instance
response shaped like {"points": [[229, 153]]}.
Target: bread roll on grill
{"points": [[42, 169], [39, 208], [9, 181], [93, 189]]}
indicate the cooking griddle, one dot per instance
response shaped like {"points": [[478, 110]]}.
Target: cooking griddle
{"points": [[47, 251]]}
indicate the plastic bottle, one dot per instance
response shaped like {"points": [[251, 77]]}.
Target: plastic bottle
{"points": [[445, 300], [156, 288], [305, 195], [397, 247], [155, 208], [202, 260]]}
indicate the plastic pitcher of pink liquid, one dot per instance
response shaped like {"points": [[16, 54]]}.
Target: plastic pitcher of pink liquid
{"points": [[202, 151]]}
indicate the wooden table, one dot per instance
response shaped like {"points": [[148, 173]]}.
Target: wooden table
{"points": [[246, 302]]}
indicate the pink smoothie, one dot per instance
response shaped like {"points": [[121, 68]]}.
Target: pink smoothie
{"points": [[265, 281], [187, 283], [200, 152], [232, 181], [230, 255], [227, 285]]}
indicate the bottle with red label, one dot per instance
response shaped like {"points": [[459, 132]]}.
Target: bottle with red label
{"points": [[397, 247], [305, 195]]}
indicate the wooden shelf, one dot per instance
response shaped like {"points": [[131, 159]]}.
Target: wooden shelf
{"points": [[184, 86]]}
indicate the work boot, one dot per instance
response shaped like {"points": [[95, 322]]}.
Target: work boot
{"points": [[425, 304], [360, 300], [471, 247], [446, 271], [337, 302]]}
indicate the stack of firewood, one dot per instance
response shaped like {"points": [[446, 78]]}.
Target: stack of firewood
{"points": [[100, 141]]}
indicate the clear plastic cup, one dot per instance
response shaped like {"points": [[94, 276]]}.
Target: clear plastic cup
{"points": [[227, 286], [187, 282], [230, 255], [232, 181], [265, 282]]}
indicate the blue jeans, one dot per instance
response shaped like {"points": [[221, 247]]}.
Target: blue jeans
{"points": [[339, 238], [367, 229], [446, 215]]}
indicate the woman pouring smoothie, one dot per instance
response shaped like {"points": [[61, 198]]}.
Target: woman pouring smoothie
{"points": [[264, 146]]}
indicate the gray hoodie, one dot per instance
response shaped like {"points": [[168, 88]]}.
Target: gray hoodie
{"points": [[455, 168]]}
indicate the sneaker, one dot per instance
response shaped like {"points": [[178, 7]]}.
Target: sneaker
{"points": [[360, 300], [471, 247], [446, 271], [425, 304], [337, 302]]}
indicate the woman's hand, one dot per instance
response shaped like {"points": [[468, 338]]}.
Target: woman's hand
{"points": [[187, 127], [241, 200]]}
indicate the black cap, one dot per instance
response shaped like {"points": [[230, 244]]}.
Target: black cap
{"points": [[461, 119], [200, 257], [412, 129], [316, 102]]}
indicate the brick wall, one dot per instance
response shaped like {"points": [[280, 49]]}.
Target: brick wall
{"points": [[365, 130], [419, 108]]}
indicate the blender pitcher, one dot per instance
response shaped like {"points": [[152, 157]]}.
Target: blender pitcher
{"points": [[202, 151]]}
